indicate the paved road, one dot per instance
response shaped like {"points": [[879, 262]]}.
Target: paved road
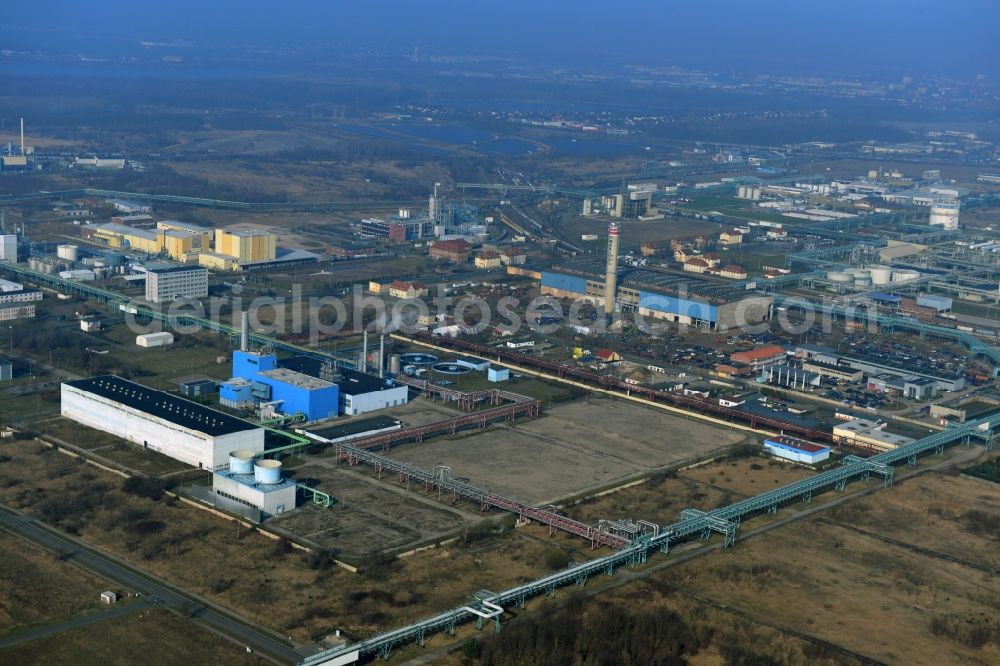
{"points": [[34, 633], [156, 590]]}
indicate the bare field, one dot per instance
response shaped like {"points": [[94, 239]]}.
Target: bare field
{"points": [[748, 476], [149, 637], [36, 586], [561, 454], [247, 572], [876, 599], [368, 517]]}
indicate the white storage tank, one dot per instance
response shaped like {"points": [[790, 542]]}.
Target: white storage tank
{"points": [[394, 364], [904, 276], [945, 214], [241, 461], [880, 275], [68, 252], [839, 276], [267, 472]]}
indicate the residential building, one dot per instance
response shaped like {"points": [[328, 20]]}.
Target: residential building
{"points": [[513, 256], [404, 289], [456, 251], [488, 260]]}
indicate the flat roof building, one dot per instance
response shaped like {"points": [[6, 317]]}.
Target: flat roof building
{"points": [[159, 421], [173, 282]]}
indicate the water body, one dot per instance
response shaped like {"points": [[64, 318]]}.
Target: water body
{"points": [[594, 148], [454, 134], [508, 146]]}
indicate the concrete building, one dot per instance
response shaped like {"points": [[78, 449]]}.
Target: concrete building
{"points": [[761, 357], [217, 262], [256, 484], [866, 434], [406, 289], [17, 312], [731, 237], [361, 393], [246, 246], [456, 251], [291, 392], [173, 282], [150, 340], [159, 421], [488, 260], [836, 372], [20, 297], [8, 248], [131, 238], [202, 236], [497, 374], [129, 207], [796, 450], [513, 256], [136, 221], [683, 299]]}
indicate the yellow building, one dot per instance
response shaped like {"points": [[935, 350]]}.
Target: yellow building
{"points": [[118, 235], [202, 235], [216, 262], [377, 287], [488, 259], [176, 244], [246, 246]]}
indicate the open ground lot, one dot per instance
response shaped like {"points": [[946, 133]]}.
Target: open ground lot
{"points": [[148, 637], [574, 448], [368, 516]]}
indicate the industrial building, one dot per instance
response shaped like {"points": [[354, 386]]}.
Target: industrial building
{"points": [[253, 483], [168, 283], [456, 251], [258, 381], [361, 393], [159, 421], [129, 207], [8, 248], [760, 358], [796, 450], [201, 236], [656, 295], [19, 296], [17, 312], [867, 434], [246, 246], [872, 366]]}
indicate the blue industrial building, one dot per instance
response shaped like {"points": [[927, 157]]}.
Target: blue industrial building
{"points": [[257, 380]]}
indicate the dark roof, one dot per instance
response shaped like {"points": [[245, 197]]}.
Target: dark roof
{"points": [[350, 382], [174, 269], [355, 383], [167, 406], [357, 427]]}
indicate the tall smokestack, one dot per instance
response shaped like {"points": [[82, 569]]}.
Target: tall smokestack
{"points": [[364, 353], [611, 275], [381, 356], [22, 137], [245, 331]]}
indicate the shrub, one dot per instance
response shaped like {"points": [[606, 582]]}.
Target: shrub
{"points": [[556, 558]]}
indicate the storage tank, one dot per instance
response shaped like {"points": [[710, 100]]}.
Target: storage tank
{"points": [[839, 276], [267, 471], [904, 276], [880, 274], [68, 252], [394, 364], [945, 214], [862, 279], [241, 461]]}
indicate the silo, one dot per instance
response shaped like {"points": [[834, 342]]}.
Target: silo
{"points": [[241, 461], [945, 214], [394, 364], [68, 252], [267, 471]]}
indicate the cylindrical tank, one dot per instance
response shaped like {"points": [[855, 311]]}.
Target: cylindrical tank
{"points": [[68, 252], [839, 276], [881, 274], [267, 471], [241, 461], [394, 364], [945, 214], [904, 276], [862, 278]]}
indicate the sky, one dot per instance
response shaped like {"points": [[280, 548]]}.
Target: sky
{"points": [[858, 38]]}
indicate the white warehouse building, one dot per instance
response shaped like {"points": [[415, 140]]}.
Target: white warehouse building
{"points": [[160, 421]]}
